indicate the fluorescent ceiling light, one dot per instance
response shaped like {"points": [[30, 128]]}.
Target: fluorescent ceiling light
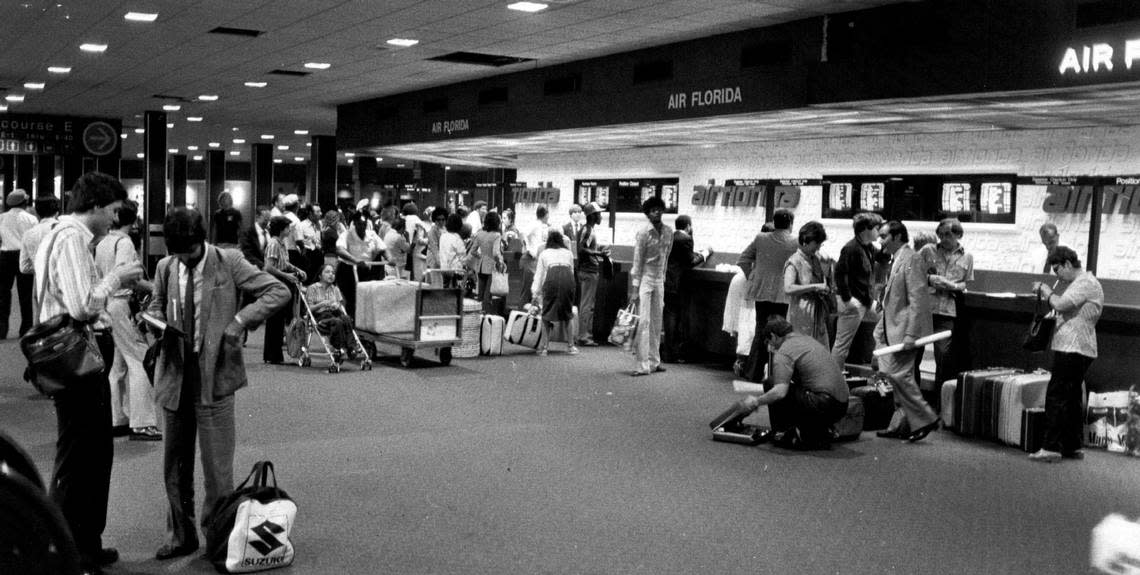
{"points": [[278, 161], [123, 136], [4, 108], [93, 48], [170, 126], [298, 159], [239, 141], [140, 155], [349, 154], [527, 6], [14, 98], [301, 132], [173, 150], [215, 144], [309, 144], [350, 161], [197, 158], [59, 69], [171, 107], [140, 130], [405, 42], [256, 84], [208, 97], [192, 148], [235, 152], [283, 148], [267, 136], [318, 65], [140, 16], [236, 128], [34, 85], [194, 118]]}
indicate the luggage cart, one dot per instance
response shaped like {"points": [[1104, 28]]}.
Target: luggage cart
{"points": [[437, 325]]}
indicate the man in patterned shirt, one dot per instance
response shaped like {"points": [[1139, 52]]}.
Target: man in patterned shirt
{"points": [[948, 269], [647, 284]]}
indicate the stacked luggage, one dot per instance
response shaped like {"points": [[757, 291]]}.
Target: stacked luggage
{"points": [[988, 403]]}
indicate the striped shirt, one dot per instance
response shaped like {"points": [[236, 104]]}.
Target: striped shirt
{"points": [[321, 297], [32, 243], [276, 257], [1078, 306], [71, 282], [956, 266], [651, 255]]}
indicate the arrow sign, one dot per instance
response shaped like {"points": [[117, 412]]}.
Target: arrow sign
{"points": [[100, 138]]}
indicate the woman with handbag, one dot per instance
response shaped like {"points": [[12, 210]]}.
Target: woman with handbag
{"points": [[554, 283], [1077, 300], [808, 283], [277, 264], [487, 245]]}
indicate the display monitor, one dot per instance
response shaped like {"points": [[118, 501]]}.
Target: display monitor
{"points": [[956, 197], [872, 197], [839, 196], [996, 198]]}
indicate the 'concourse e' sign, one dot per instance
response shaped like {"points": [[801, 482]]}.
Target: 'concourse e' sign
{"points": [[60, 135]]}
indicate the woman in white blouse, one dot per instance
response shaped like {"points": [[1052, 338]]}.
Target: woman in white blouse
{"points": [[554, 284], [452, 251]]}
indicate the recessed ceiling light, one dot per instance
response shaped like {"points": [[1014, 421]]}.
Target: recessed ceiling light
{"points": [[267, 136], [4, 108], [140, 16], [318, 65], [123, 136], [298, 159], [235, 152], [59, 69], [34, 85], [349, 154], [194, 118], [350, 161], [171, 107], [282, 148], [140, 155], [208, 97], [140, 130], [301, 132], [399, 165], [309, 144], [405, 42], [14, 98], [93, 48], [278, 161], [192, 148], [170, 126], [256, 84], [173, 150], [197, 158], [235, 128], [214, 144], [239, 141], [527, 6], [379, 159]]}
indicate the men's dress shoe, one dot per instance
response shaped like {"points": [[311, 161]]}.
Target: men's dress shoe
{"points": [[660, 368], [891, 434], [120, 430], [106, 556], [921, 433], [169, 551], [148, 433], [1045, 456], [1078, 454]]}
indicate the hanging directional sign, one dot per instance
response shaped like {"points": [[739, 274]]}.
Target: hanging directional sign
{"points": [[61, 135]]}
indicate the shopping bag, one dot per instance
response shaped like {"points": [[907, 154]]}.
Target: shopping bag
{"points": [[248, 530], [500, 285], [1106, 420], [625, 327], [1040, 333]]}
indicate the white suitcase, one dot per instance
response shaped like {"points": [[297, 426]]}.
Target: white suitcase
{"points": [[1020, 392], [524, 329], [491, 328], [948, 389]]}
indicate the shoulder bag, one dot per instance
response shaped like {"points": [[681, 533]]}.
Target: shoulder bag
{"points": [[1040, 329], [61, 350]]}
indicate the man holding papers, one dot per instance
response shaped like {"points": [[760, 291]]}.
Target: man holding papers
{"points": [[806, 394]]}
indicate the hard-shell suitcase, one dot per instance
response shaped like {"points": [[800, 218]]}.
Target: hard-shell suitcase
{"points": [[948, 390], [849, 428], [968, 398], [1021, 392], [491, 328], [988, 405], [877, 408], [1032, 429], [524, 329]]}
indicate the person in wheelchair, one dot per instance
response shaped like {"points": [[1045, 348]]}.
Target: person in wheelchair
{"points": [[327, 304]]}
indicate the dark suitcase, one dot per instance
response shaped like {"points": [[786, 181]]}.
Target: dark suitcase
{"points": [[1032, 429], [990, 406], [967, 398], [849, 428], [877, 408], [727, 426]]}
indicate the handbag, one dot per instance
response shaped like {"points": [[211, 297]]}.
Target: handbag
{"points": [[61, 350], [248, 530], [625, 327], [1040, 329], [500, 284]]}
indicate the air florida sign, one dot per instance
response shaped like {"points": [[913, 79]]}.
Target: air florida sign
{"points": [[1099, 57]]}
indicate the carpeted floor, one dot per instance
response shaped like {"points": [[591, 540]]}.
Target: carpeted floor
{"points": [[528, 465]]}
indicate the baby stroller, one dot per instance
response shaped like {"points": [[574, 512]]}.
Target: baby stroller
{"points": [[300, 334]]}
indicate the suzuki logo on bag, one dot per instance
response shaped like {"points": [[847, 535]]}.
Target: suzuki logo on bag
{"points": [[266, 531]]}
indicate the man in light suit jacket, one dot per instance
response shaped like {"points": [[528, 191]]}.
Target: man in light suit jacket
{"points": [[763, 262], [196, 375], [904, 319]]}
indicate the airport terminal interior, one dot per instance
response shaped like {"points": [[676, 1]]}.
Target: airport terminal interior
{"points": [[1011, 116]]}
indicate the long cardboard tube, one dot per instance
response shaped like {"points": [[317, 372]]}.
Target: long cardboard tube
{"points": [[917, 343]]}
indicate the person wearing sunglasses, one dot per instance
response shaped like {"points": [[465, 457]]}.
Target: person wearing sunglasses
{"points": [[1078, 301]]}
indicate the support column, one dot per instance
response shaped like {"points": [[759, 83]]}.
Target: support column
{"points": [[8, 172], [215, 183], [154, 186], [72, 170], [1094, 228], [178, 180], [261, 174], [25, 172], [322, 171], [108, 165], [364, 173], [45, 176]]}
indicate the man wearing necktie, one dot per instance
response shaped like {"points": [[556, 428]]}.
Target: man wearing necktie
{"points": [[572, 230], [254, 239], [196, 375]]}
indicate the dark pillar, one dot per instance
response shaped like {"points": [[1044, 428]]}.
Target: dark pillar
{"points": [[364, 172], [322, 170], [108, 165], [178, 180], [154, 186], [72, 170], [215, 183], [261, 174], [25, 172], [45, 176], [1094, 228], [8, 172], [89, 165]]}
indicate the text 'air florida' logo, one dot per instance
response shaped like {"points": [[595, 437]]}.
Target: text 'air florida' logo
{"points": [[267, 532]]}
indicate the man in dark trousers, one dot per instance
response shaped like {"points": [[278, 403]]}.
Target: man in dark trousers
{"points": [[196, 375], [592, 252], [254, 239], [14, 224], [763, 262], [71, 284], [676, 318], [806, 394]]}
